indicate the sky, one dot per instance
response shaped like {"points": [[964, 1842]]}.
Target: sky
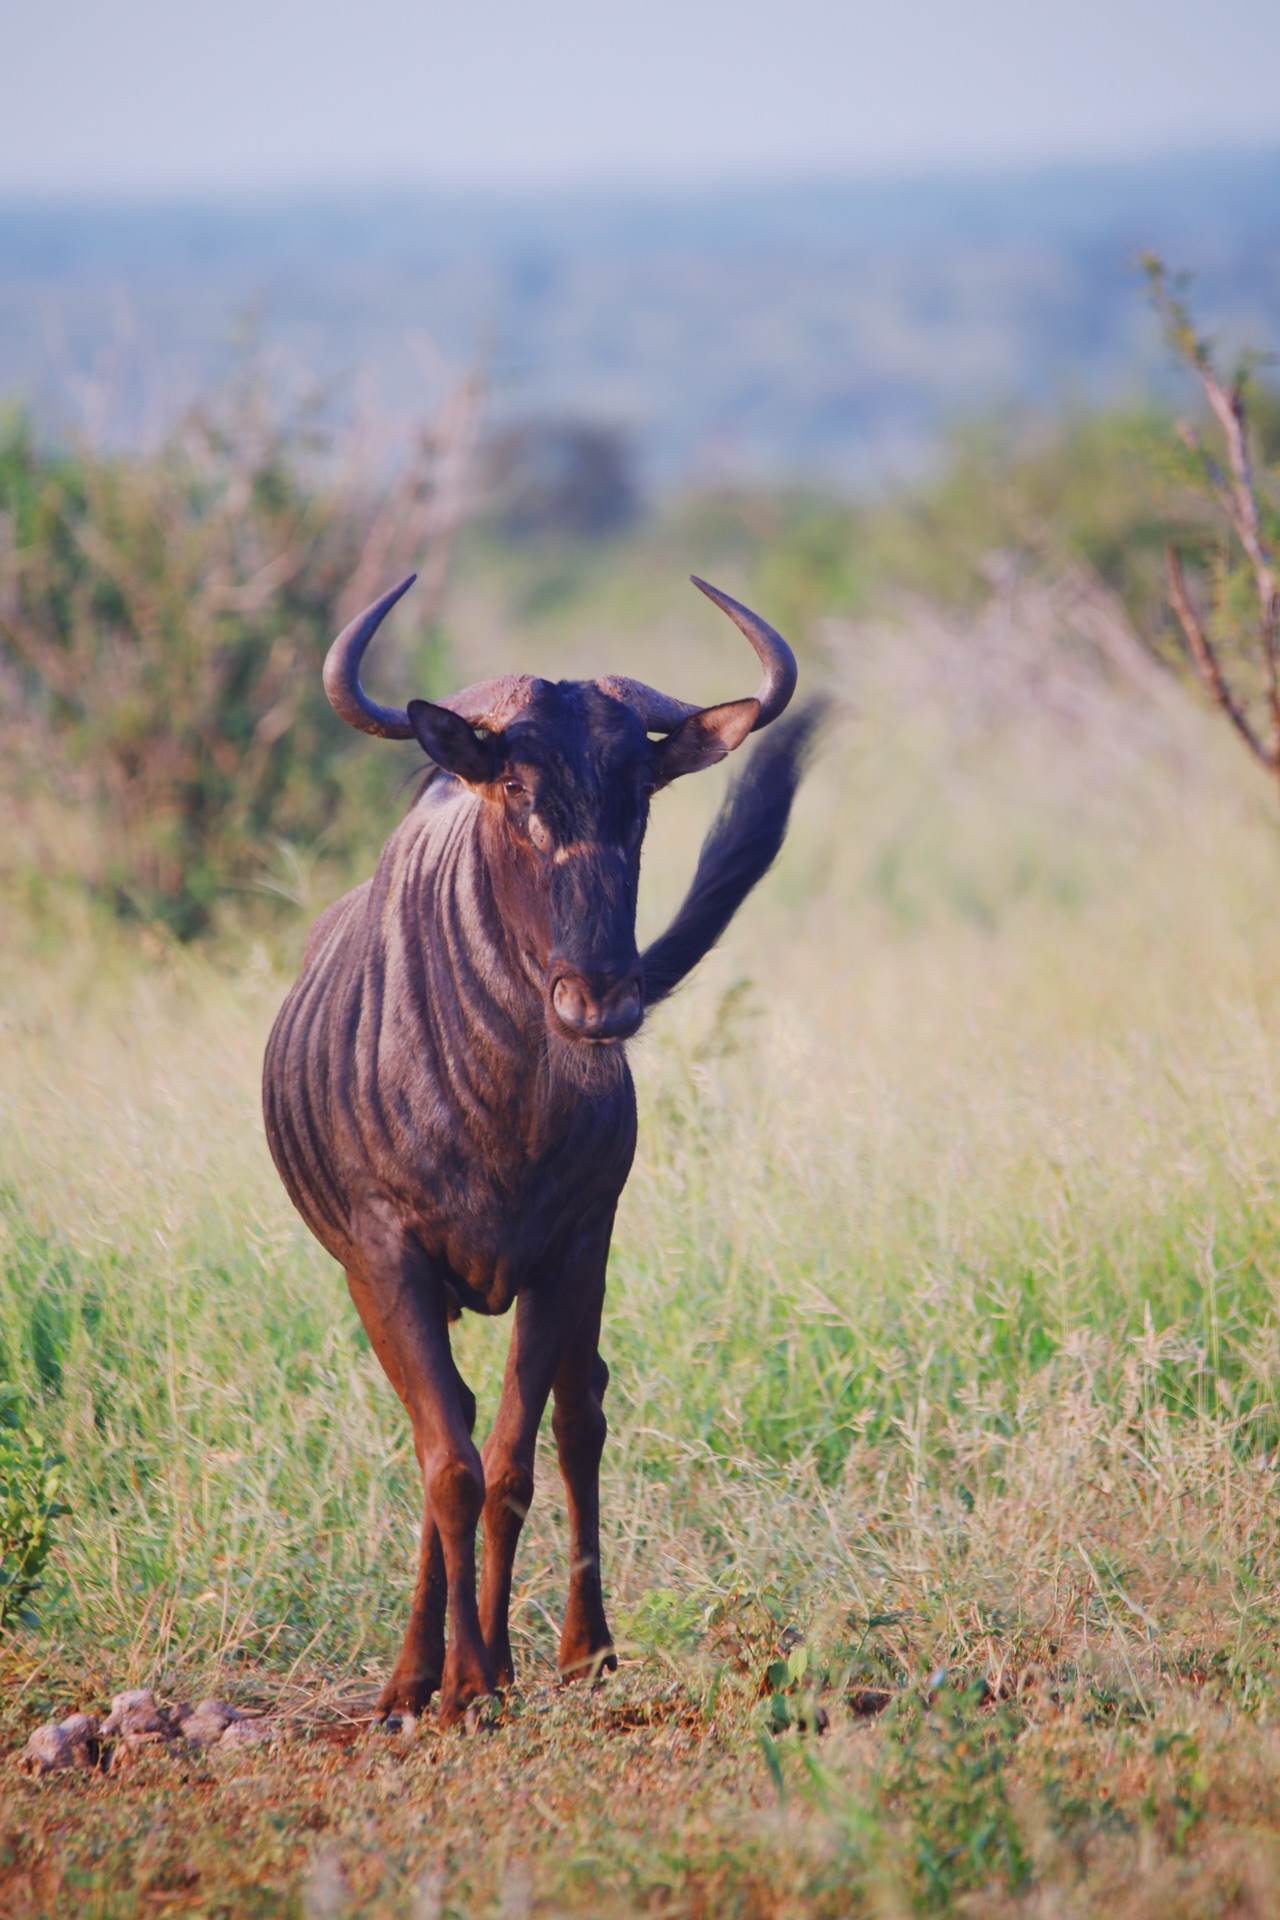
{"points": [[175, 98]]}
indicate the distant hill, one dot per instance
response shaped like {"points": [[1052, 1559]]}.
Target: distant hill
{"points": [[829, 329]]}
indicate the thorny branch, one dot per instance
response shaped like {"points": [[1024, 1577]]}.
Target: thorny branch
{"points": [[1206, 659], [1236, 494]]}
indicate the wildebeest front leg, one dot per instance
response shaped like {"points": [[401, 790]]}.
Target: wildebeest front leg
{"points": [[544, 1319], [407, 1303], [552, 1314], [420, 1667], [586, 1645]]}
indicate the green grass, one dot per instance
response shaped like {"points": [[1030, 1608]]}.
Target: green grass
{"points": [[943, 1324]]}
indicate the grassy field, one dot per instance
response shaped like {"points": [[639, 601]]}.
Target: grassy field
{"points": [[941, 1522]]}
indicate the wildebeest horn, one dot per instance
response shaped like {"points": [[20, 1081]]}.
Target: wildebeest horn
{"points": [[662, 713], [342, 672], [490, 703], [776, 657]]}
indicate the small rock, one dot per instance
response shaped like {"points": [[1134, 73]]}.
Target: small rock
{"points": [[49, 1748], [247, 1733], [72, 1742], [207, 1722], [134, 1714], [81, 1730], [201, 1732]]}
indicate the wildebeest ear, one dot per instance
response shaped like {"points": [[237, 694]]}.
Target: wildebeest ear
{"points": [[703, 739], [453, 742]]}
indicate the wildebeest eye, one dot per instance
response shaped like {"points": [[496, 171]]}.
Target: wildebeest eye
{"points": [[514, 786]]}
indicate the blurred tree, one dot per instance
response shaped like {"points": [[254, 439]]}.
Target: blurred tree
{"points": [[163, 622], [549, 477]]}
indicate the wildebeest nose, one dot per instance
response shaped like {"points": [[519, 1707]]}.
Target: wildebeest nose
{"points": [[599, 1008]]}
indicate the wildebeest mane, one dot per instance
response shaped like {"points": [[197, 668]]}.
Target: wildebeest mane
{"points": [[742, 845]]}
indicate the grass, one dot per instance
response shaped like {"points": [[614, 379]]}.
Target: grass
{"points": [[945, 1349]]}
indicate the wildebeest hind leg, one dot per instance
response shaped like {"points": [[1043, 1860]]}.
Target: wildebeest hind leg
{"points": [[404, 1308], [586, 1645]]}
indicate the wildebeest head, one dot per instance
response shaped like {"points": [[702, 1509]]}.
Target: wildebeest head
{"points": [[564, 772]]}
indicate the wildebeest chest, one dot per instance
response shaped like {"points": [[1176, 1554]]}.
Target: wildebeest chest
{"points": [[497, 1198], [516, 1223]]}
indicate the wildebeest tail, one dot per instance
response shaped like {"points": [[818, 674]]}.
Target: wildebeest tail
{"points": [[743, 843]]}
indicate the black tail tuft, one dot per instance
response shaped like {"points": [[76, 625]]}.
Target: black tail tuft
{"points": [[743, 843]]}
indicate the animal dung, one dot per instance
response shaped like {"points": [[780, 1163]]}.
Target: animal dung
{"points": [[135, 1721]]}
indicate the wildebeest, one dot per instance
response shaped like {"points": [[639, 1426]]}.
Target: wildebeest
{"points": [[448, 1101]]}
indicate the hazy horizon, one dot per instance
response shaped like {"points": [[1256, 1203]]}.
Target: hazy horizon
{"points": [[620, 190], [832, 331], [138, 99]]}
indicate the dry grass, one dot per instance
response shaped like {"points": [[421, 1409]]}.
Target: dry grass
{"points": [[943, 1327]]}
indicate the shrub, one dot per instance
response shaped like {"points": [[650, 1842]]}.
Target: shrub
{"points": [[163, 622], [30, 1502], [943, 1777]]}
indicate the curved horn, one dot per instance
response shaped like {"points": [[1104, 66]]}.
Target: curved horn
{"points": [[662, 713], [493, 703], [342, 673], [490, 703], [780, 670]]}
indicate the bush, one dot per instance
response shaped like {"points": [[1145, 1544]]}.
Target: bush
{"points": [[30, 1502], [163, 622]]}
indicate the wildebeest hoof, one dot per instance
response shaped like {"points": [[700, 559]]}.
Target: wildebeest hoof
{"points": [[464, 1705], [405, 1723], [405, 1696], [587, 1666]]}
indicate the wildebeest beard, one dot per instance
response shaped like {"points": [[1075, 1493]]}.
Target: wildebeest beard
{"points": [[594, 1068]]}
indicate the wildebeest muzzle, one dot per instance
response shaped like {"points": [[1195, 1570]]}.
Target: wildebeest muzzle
{"points": [[591, 1005]]}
